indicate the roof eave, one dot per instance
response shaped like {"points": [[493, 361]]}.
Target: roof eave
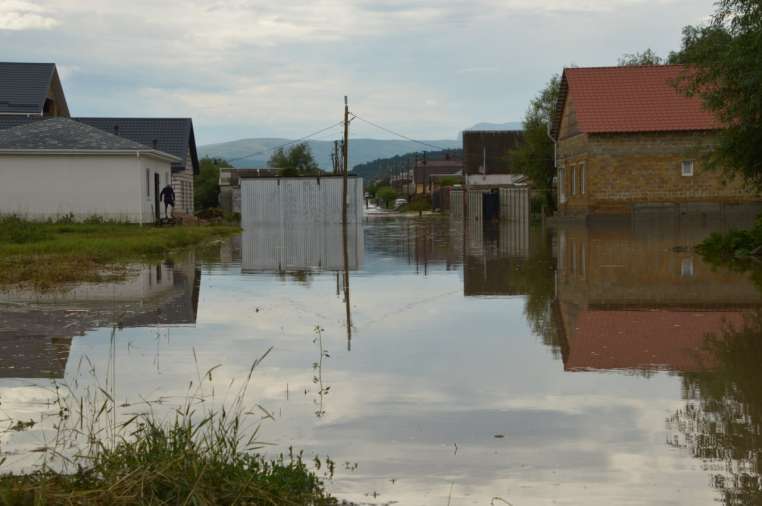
{"points": [[92, 152]]}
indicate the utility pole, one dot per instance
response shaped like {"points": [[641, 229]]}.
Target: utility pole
{"points": [[346, 162], [336, 157]]}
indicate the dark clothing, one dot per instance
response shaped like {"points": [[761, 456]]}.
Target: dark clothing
{"points": [[167, 196]]}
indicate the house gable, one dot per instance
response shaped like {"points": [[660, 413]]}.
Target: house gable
{"points": [[568, 127], [31, 89]]}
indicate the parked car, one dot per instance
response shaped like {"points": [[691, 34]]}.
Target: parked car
{"points": [[399, 203]]}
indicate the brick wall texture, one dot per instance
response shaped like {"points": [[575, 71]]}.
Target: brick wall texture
{"points": [[610, 173]]}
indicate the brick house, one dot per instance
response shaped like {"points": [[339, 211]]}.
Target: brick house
{"points": [[626, 140]]}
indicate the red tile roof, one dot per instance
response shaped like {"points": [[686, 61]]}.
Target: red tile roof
{"points": [[657, 339], [631, 99]]}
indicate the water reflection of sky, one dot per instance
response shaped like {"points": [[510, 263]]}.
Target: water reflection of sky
{"points": [[433, 375]]}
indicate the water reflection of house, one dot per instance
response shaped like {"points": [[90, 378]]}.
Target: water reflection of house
{"points": [[638, 297], [495, 257], [36, 329]]}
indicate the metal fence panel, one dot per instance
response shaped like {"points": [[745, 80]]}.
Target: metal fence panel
{"points": [[299, 200]]}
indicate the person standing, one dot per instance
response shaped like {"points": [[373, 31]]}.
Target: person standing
{"points": [[167, 196]]}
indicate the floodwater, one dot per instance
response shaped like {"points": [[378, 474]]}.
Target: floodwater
{"points": [[456, 364]]}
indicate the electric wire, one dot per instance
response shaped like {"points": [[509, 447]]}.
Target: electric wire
{"points": [[403, 136], [269, 150]]}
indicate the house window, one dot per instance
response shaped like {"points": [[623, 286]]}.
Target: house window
{"points": [[561, 183], [582, 178], [686, 267], [148, 183], [574, 180], [687, 167]]}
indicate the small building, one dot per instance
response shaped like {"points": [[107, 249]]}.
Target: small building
{"points": [[427, 173], [487, 160], [60, 167], [627, 140]]}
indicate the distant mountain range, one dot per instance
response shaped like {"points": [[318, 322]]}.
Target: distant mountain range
{"points": [[255, 153]]}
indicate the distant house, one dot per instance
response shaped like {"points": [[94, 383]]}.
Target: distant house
{"points": [[170, 135], [627, 140], [487, 160], [60, 167], [427, 172], [30, 92]]}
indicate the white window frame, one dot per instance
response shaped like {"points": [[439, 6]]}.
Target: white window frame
{"points": [[574, 180], [687, 164]]}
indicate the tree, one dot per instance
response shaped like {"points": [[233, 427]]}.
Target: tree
{"points": [[725, 58], [297, 161], [419, 203], [206, 185], [647, 57], [386, 194], [535, 157]]}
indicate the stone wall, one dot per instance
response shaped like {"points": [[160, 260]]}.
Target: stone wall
{"points": [[616, 172]]}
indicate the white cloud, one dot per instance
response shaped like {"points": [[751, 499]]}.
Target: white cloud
{"points": [[22, 15]]}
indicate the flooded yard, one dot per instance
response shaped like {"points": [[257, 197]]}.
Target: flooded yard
{"points": [[434, 362]]}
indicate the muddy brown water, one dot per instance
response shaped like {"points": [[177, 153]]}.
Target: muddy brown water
{"points": [[507, 364]]}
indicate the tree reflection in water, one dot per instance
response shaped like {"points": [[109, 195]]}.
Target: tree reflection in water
{"points": [[722, 420]]}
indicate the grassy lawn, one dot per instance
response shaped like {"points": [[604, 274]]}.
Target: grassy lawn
{"points": [[46, 255]]}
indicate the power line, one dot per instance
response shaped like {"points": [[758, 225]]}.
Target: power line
{"points": [[265, 151], [399, 134]]}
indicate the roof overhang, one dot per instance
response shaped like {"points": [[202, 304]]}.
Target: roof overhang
{"points": [[150, 153]]}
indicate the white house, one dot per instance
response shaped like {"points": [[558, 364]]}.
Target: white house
{"points": [[31, 92], [57, 167]]}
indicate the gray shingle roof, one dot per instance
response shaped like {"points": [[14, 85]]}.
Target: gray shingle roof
{"points": [[172, 135], [11, 121], [24, 86], [63, 134]]}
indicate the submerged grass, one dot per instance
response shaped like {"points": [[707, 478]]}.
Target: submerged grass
{"points": [[49, 254], [103, 455]]}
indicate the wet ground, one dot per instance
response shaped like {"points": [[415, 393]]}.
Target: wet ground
{"points": [[457, 364]]}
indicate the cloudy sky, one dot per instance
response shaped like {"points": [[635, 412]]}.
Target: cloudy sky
{"points": [[256, 68]]}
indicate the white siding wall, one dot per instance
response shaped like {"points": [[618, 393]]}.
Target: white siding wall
{"points": [[113, 187]]}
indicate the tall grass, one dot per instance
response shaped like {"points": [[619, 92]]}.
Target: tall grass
{"points": [[196, 455]]}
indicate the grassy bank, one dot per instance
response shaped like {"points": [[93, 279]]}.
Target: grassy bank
{"points": [[181, 463], [49, 254]]}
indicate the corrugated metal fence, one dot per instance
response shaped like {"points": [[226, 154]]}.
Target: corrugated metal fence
{"points": [[514, 204], [287, 200]]}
